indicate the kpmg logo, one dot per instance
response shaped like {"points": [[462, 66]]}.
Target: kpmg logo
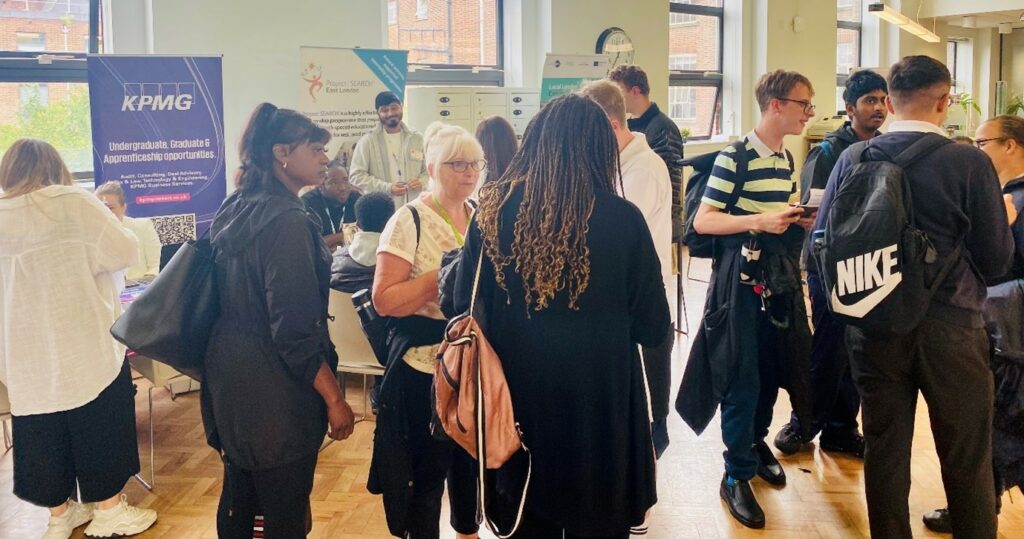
{"points": [[158, 96], [870, 273]]}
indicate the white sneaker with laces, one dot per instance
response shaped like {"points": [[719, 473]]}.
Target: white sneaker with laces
{"points": [[61, 527], [122, 519]]}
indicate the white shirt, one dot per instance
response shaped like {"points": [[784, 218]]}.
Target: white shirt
{"points": [[395, 157], [646, 183], [149, 248], [916, 126], [59, 249]]}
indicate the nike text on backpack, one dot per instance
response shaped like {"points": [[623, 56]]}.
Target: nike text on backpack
{"points": [[872, 255]]}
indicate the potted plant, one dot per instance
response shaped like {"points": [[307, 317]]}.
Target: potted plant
{"points": [[685, 132], [967, 103]]}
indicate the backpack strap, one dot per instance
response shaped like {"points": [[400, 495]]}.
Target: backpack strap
{"points": [[920, 148], [415, 221], [740, 176]]}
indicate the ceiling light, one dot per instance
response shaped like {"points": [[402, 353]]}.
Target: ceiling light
{"points": [[889, 14]]}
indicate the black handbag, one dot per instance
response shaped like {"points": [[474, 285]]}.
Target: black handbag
{"points": [[172, 319]]}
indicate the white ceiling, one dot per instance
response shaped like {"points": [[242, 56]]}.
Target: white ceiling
{"points": [[989, 20]]}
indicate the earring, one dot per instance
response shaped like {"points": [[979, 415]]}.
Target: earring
{"points": [[285, 165]]}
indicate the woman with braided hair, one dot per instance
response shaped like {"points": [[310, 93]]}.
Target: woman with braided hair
{"points": [[570, 285]]}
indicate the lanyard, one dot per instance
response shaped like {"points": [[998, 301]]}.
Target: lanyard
{"points": [[448, 219]]}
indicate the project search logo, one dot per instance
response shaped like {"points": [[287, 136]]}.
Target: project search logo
{"points": [[312, 74]]}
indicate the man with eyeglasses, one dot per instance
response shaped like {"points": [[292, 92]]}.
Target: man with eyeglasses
{"points": [[836, 400], [956, 201], [755, 323], [390, 158]]}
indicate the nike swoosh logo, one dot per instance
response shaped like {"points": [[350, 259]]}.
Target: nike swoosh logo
{"points": [[869, 302]]}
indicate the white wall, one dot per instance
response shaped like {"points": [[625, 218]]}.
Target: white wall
{"points": [[259, 40]]}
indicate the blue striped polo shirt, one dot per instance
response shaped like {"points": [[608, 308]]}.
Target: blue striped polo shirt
{"points": [[769, 185]]}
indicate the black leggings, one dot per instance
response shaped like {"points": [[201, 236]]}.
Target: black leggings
{"points": [[280, 494]]}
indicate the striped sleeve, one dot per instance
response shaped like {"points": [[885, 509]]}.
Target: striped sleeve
{"points": [[722, 180]]}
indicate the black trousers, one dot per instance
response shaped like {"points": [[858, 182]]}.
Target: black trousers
{"points": [[658, 370], [94, 445], [836, 399], [280, 494], [535, 527], [948, 364]]}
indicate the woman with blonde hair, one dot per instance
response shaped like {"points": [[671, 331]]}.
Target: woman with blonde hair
{"points": [[70, 387], [112, 195], [570, 285], [405, 287]]}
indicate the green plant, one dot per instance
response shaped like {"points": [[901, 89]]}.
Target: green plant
{"points": [[685, 132], [967, 101], [1014, 105], [65, 123]]}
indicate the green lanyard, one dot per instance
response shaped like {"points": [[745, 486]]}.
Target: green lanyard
{"points": [[448, 219]]}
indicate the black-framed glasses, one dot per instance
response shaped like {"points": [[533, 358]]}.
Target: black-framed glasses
{"points": [[983, 141], [461, 166], [809, 107]]}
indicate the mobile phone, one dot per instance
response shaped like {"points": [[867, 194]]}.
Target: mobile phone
{"points": [[807, 210]]}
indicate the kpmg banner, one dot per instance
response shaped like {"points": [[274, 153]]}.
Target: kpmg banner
{"points": [[158, 128], [566, 73], [337, 88]]}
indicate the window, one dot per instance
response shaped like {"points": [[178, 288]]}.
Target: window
{"points": [[30, 42], [959, 53], [447, 39], [695, 64], [48, 101], [682, 103], [682, 62], [848, 44]]}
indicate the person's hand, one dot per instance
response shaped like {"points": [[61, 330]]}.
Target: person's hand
{"points": [[340, 420], [415, 184], [398, 189], [807, 223], [778, 222], [1011, 210], [334, 241]]}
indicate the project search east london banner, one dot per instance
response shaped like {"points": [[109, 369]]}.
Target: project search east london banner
{"points": [[158, 128]]}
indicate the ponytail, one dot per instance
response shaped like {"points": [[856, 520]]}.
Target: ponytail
{"points": [[267, 127]]}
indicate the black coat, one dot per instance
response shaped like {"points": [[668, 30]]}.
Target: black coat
{"points": [[575, 376], [258, 401]]}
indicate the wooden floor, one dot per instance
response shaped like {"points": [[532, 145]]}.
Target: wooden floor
{"points": [[824, 497]]}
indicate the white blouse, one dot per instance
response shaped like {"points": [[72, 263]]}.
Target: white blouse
{"points": [[149, 248], [59, 251]]}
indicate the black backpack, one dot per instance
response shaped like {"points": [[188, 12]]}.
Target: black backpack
{"points": [[702, 245], [872, 256]]}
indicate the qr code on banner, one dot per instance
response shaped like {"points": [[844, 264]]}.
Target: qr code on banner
{"points": [[173, 229]]}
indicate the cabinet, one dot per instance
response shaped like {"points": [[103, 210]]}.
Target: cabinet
{"points": [[467, 106]]}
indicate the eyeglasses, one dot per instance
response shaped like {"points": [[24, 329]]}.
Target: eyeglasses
{"points": [[809, 107], [461, 166], [983, 141]]}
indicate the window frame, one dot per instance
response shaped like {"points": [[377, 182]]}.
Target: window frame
{"points": [[52, 66], [699, 78], [463, 74], [856, 27]]}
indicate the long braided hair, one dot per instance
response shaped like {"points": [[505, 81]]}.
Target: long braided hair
{"points": [[569, 153]]}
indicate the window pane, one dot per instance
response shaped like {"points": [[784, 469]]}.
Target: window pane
{"points": [[692, 107], [849, 10], [840, 104], [52, 26], [697, 39], [445, 31], [710, 3], [55, 112], [847, 50]]}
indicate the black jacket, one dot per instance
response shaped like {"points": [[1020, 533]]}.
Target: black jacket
{"points": [[330, 212], [665, 139], [823, 158], [1015, 188], [258, 401], [350, 276]]}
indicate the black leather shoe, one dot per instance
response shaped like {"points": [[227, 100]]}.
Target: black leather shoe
{"points": [[788, 440], [938, 521], [853, 446], [741, 501], [768, 467]]}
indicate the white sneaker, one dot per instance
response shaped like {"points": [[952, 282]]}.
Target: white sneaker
{"points": [[61, 527], [122, 519]]}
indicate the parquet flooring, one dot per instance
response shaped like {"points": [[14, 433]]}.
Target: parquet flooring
{"points": [[824, 497]]}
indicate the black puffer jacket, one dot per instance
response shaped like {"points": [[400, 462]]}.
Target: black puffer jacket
{"points": [[259, 405]]}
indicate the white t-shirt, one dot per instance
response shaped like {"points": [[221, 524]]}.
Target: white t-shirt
{"points": [[59, 251], [395, 157], [149, 248], [436, 237], [646, 183]]}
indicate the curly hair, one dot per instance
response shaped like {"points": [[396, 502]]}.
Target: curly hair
{"points": [[568, 155]]}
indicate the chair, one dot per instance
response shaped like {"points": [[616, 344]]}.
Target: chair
{"points": [[5, 416], [355, 356]]}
